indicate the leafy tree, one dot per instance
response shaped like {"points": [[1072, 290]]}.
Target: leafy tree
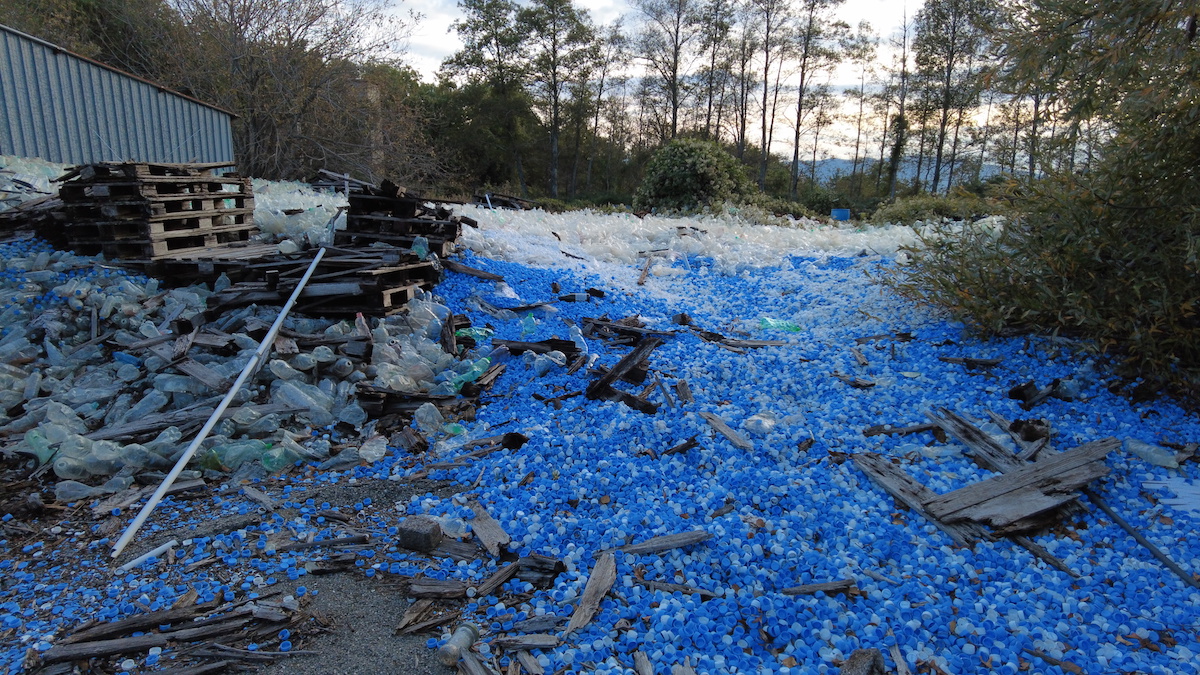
{"points": [[816, 50], [691, 174], [669, 32], [564, 50]]}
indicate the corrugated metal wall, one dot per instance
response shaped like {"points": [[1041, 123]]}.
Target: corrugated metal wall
{"points": [[64, 108]]}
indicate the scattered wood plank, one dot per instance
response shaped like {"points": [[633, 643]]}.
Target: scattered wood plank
{"points": [[339, 541], [598, 585], [645, 271], [662, 543], [641, 663], [540, 624], [984, 449], [523, 642], [1065, 665], [682, 447], [721, 427], [429, 624], [471, 665], [498, 579], [684, 392], [261, 498], [464, 269], [675, 588], [601, 387], [82, 651], [1007, 502], [417, 612], [847, 586], [896, 482], [856, 382], [138, 622], [889, 430], [859, 357], [489, 532], [437, 588], [530, 664], [972, 363]]}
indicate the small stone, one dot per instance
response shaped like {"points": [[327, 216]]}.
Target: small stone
{"points": [[418, 533], [864, 662]]}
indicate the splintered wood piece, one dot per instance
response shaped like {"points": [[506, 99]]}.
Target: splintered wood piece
{"points": [[684, 392], [600, 387], [856, 382], [428, 624], [908, 491], [464, 269], [664, 542], [598, 585], [417, 612], [721, 427], [1023, 492], [641, 663], [984, 449], [340, 541], [683, 669], [645, 271], [886, 430], [471, 665], [497, 580], [859, 358], [139, 622], [261, 498], [533, 641], [971, 362], [672, 588], [682, 447], [539, 624], [82, 651], [1043, 555], [530, 664], [437, 588], [489, 532], [827, 587]]}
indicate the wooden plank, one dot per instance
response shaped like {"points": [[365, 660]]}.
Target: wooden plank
{"points": [[888, 430], [534, 641], [438, 588], [734, 437], [530, 664], [984, 449], [669, 588], [912, 494], [826, 587], [464, 269], [662, 543], [489, 532], [604, 574], [501, 577], [641, 663], [971, 362], [684, 392], [82, 651], [600, 388], [1027, 490], [138, 622]]}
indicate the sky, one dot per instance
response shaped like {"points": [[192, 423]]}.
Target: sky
{"points": [[432, 40]]}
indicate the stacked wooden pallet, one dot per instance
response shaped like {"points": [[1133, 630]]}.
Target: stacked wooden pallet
{"points": [[375, 282], [147, 211], [390, 214]]}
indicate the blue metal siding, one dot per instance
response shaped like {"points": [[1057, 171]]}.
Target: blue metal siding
{"points": [[64, 108]]}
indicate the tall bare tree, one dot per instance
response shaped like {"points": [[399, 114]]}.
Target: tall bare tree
{"points": [[816, 51], [667, 41]]}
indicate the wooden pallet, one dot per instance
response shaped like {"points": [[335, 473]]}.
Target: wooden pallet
{"points": [[398, 207], [141, 209], [445, 229], [154, 187], [346, 238], [152, 249]]}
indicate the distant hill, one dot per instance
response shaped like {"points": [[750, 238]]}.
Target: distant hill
{"points": [[831, 168]]}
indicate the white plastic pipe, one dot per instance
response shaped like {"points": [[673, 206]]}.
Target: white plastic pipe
{"points": [[149, 554], [250, 368]]}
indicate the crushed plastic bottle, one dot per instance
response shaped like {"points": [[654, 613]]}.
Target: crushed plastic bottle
{"points": [[428, 418], [577, 338], [762, 423], [1158, 456], [373, 449], [420, 247], [67, 491], [767, 323], [528, 325]]}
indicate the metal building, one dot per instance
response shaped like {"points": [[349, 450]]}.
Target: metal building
{"points": [[70, 109]]}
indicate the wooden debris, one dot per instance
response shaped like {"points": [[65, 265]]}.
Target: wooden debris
{"points": [[1011, 502], [602, 388], [489, 532], [721, 427], [1065, 665], [437, 588], [973, 364], [502, 576], [540, 570], [464, 269], [645, 271], [641, 663], [669, 588], [540, 624], [417, 612], [662, 543], [684, 392], [907, 491], [856, 382], [859, 358], [82, 651], [529, 663], [471, 665], [889, 430], [261, 498], [682, 447], [598, 585], [847, 586], [431, 623], [522, 642], [339, 541]]}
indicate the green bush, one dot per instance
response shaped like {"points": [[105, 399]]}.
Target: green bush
{"points": [[689, 174], [960, 205], [1071, 262]]}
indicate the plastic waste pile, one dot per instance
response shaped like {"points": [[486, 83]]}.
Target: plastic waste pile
{"points": [[286, 210], [59, 385], [26, 178]]}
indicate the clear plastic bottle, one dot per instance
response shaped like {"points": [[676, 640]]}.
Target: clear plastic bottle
{"points": [[459, 643], [528, 325]]}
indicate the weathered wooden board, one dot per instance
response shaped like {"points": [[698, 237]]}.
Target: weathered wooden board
{"points": [[489, 532], [724, 429], [912, 494], [604, 574]]}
